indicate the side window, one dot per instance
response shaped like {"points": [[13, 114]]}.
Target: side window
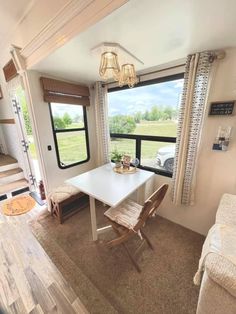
{"points": [[70, 131]]}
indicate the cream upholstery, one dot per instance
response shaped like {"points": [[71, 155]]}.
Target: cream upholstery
{"points": [[126, 214], [218, 287], [226, 213], [63, 192]]}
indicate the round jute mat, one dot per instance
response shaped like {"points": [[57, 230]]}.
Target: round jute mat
{"points": [[18, 205]]}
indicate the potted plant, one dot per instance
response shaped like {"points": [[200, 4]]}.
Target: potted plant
{"points": [[117, 158]]}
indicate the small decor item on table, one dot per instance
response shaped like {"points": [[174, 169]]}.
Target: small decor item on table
{"points": [[126, 162], [117, 158], [135, 162], [123, 170]]}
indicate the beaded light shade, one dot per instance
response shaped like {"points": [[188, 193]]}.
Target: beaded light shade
{"points": [[109, 66], [128, 75]]}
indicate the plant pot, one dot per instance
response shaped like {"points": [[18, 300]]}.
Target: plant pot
{"points": [[118, 164]]}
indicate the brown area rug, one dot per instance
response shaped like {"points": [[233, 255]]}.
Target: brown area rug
{"points": [[165, 284]]}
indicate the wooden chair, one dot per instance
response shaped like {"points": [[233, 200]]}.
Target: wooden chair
{"points": [[129, 218]]}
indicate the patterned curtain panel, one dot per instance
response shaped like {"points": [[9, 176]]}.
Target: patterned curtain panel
{"points": [[197, 73], [102, 125]]}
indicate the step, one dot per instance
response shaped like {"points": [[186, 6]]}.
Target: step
{"points": [[6, 160], [6, 188], [12, 175], [7, 163]]}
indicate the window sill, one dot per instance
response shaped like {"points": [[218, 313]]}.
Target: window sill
{"points": [[157, 171]]}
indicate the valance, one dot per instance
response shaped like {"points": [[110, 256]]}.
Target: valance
{"points": [[64, 92]]}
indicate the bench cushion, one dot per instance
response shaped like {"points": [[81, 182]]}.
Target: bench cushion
{"points": [[63, 192]]}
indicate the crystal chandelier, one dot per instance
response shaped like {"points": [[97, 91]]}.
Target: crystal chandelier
{"points": [[128, 75], [109, 66]]}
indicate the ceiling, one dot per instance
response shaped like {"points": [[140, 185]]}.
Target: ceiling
{"points": [[11, 13], [155, 31]]}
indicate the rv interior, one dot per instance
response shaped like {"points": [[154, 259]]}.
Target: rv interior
{"points": [[117, 156]]}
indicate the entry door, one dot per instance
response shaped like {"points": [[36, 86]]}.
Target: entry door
{"points": [[24, 143]]}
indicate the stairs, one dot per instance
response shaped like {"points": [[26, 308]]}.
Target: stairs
{"points": [[11, 176]]}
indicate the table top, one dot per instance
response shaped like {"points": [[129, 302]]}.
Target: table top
{"points": [[109, 187]]}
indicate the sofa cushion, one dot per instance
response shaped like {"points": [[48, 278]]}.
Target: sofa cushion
{"points": [[222, 271], [226, 213], [219, 257]]}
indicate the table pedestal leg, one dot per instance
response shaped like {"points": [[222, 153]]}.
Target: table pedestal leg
{"points": [[93, 218]]}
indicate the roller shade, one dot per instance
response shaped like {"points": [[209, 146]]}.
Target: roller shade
{"points": [[9, 71], [63, 92]]}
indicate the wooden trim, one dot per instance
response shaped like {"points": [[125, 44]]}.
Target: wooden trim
{"points": [[7, 121], [74, 18], [9, 71]]}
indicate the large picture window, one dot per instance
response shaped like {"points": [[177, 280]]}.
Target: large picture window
{"points": [[69, 124], [143, 122]]}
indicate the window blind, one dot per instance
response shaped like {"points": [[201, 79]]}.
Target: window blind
{"points": [[64, 92], [9, 71]]}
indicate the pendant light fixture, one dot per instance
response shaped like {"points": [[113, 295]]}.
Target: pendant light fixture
{"points": [[128, 75], [112, 55], [109, 66]]}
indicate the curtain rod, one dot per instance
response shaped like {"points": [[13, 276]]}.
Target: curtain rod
{"points": [[161, 70]]}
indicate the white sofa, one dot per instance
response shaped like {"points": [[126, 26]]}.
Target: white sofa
{"points": [[218, 286]]}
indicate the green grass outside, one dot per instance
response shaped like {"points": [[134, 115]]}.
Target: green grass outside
{"points": [[158, 128], [72, 146], [148, 149]]}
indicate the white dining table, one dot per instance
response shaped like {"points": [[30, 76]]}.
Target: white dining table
{"points": [[109, 187]]}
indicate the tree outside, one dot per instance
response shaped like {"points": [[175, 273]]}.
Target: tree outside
{"points": [[122, 124], [59, 123], [67, 119], [125, 124]]}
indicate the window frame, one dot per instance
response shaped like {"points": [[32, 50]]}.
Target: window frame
{"points": [[139, 138], [55, 131]]}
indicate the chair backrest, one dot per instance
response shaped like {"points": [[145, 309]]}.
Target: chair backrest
{"points": [[151, 204]]}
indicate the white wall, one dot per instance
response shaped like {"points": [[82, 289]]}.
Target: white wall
{"points": [[55, 175], [216, 171], [30, 26]]}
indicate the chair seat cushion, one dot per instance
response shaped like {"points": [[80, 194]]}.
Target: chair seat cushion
{"points": [[61, 193], [126, 214]]}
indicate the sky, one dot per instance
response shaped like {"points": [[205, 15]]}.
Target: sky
{"points": [[129, 101], [60, 109], [132, 100]]}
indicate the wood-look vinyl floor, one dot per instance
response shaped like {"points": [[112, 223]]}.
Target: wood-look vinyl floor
{"points": [[29, 281]]}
